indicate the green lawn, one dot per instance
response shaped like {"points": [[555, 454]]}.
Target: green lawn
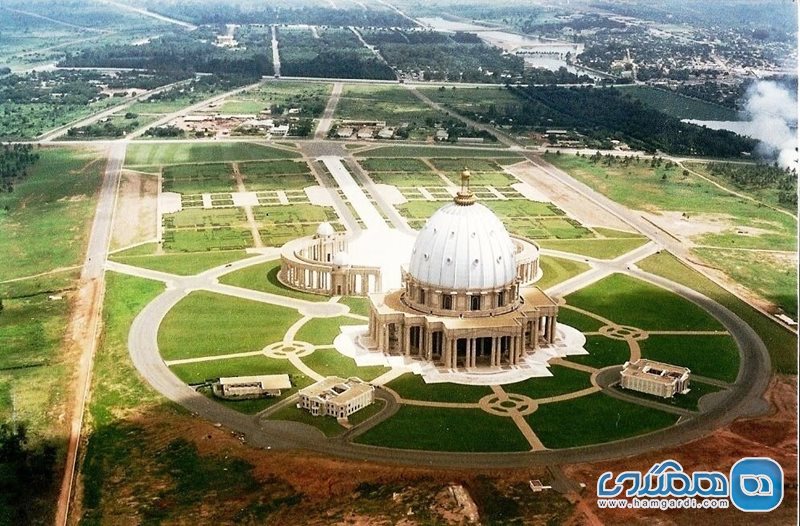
{"points": [[327, 424], [434, 429], [264, 277], [628, 301], [594, 419], [781, 343], [564, 380], [45, 221], [711, 356], [165, 153], [412, 387], [183, 264], [206, 324], [603, 351], [595, 248], [205, 218], [688, 401], [557, 270], [577, 320], [638, 185], [330, 362], [322, 331], [199, 372], [357, 305], [394, 165], [366, 413]]}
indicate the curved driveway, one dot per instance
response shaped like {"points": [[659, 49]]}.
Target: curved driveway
{"points": [[743, 398]]}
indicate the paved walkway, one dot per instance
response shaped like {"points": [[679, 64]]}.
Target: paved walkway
{"points": [[248, 210], [364, 208]]}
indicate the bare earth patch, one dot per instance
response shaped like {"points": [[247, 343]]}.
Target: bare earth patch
{"points": [[574, 204], [774, 436], [137, 206], [687, 227]]}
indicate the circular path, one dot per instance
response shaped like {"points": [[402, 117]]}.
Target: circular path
{"points": [[743, 397]]}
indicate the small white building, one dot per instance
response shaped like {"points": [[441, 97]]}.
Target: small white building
{"points": [[282, 130], [336, 397], [655, 378], [366, 133], [386, 133], [248, 387]]}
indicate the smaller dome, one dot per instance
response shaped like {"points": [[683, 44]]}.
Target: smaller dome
{"points": [[341, 259], [325, 230]]}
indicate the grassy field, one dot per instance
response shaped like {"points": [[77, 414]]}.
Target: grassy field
{"points": [[628, 301], [116, 386], [680, 106], [308, 97], [207, 239], [711, 356], [469, 430], [771, 275], [603, 351], [264, 277], [206, 324], [640, 186], [594, 419], [182, 264], [564, 380], [781, 343], [322, 331], [45, 221], [160, 154], [595, 248], [413, 387], [393, 104], [330, 362]]}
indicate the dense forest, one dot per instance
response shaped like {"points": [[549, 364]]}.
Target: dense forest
{"points": [[605, 113], [337, 53], [202, 12], [179, 51], [783, 181], [439, 56], [15, 159]]}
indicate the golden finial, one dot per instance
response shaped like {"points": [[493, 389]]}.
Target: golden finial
{"points": [[465, 196]]}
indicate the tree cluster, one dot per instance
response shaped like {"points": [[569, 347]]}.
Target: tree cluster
{"points": [[760, 177], [15, 160], [606, 113]]}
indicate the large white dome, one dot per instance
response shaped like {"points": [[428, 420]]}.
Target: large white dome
{"points": [[463, 247]]}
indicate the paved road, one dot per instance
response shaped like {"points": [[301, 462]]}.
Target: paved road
{"points": [[742, 399], [326, 121], [145, 12], [62, 130], [502, 137], [189, 109], [276, 56], [87, 317]]}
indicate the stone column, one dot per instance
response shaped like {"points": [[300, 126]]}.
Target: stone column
{"points": [[407, 340], [552, 329], [536, 334], [454, 353], [471, 352], [495, 361]]}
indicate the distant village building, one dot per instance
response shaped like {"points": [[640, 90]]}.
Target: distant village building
{"points": [[442, 135], [386, 133], [470, 139], [336, 397], [365, 133], [359, 123], [345, 132], [655, 378], [249, 387]]}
